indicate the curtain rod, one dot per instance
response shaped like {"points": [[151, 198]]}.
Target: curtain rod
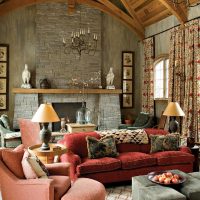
{"points": [[170, 28]]}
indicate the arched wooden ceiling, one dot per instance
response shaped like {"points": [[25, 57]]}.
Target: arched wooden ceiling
{"points": [[136, 14]]}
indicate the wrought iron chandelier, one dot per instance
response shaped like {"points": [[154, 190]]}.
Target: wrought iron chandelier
{"points": [[81, 41], [186, 2]]}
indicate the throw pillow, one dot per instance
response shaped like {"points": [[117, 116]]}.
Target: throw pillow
{"points": [[138, 136], [33, 167], [12, 160], [105, 147], [169, 142]]}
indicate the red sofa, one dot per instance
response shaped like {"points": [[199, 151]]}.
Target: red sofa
{"points": [[133, 159]]}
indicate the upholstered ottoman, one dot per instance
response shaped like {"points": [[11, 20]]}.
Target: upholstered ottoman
{"points": [[143, 189], [191, 187], [85, 189]]}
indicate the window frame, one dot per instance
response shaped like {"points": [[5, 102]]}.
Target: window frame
{"points": [[160, 58]]}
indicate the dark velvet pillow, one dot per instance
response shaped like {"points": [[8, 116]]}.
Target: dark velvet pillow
{"points": [[105, 147], [169, 142]]}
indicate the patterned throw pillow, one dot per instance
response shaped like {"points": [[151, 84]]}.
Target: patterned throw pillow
{"points": [[169, 142], [105, 147], [138, 136]]}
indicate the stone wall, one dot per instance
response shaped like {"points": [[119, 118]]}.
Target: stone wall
{"points": [[52, 24]]}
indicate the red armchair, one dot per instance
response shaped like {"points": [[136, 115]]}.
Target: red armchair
{"points": [[56, 187]]}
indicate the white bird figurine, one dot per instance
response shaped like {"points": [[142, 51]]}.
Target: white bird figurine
{"points": [[26, 75]]}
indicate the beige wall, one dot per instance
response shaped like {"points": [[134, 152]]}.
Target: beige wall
{"points": [[18, 29], [117, 38]]}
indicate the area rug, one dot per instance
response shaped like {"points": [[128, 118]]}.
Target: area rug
{"points": [[119, 193]]}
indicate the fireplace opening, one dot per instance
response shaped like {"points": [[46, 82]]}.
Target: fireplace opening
{"points": [[67, 111]]}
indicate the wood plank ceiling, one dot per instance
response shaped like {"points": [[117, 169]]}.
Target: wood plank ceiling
{"points": [[136, 14]]}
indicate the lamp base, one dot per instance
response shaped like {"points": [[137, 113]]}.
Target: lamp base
{"points": [[45, 137], [173, 125]]}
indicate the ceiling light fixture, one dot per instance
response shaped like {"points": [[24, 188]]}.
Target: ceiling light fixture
{"points": [[82, 40]]}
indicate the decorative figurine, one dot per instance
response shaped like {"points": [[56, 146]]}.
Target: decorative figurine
{"points": [[26, 75], [109, 79]]}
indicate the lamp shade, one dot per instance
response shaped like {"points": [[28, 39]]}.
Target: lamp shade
{"points": [[45, 114], [173, 109]]}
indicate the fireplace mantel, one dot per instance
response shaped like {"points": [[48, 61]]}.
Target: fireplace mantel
{"points": [[65, 91]]}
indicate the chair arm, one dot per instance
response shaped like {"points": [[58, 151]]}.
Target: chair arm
{"points": [[185, 149], [30, 189], [74, 161], [58, 168]]}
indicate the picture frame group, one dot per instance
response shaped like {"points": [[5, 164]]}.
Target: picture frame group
{"points": [[4, 65], [127, 79]]}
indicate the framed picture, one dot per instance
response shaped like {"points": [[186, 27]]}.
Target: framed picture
{"points": [[127, 73], [127, 86], [3, 53], [4, 64], [3, 69], [3, 87], [127, 58], [3, 102], [127, 101], [127, 79]]}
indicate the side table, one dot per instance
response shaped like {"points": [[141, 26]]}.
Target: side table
{"points": [[47, 156], [195, 152]]}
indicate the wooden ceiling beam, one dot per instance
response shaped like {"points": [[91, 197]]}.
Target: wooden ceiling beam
{"points": [[132, 13], [71, 6], [124, 17], [180, 13]]}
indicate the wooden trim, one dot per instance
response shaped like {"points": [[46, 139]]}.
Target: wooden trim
{"points": [[124, 17], [121, 16], [180, 13], [65, 91], [71, 6], [133, 14]]}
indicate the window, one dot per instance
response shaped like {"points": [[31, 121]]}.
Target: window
{"points": [[161, 78]]}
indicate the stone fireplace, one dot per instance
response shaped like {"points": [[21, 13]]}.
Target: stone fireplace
{"points": [[105, 107]]}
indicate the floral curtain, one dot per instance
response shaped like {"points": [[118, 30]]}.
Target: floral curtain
{"points": [[148, 86], [184, 75]]}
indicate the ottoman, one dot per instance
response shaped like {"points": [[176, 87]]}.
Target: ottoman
{"points": [[143, 189], [85, 189]]}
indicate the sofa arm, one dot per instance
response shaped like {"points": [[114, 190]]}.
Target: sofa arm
{"points": [[74, 161], [58, 168], [185, 149]]}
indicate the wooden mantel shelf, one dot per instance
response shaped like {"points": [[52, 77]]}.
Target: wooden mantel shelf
{"points": [[65, 91]]}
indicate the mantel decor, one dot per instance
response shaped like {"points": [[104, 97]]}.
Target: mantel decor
{"points": [[4, 65], [127, 79]]}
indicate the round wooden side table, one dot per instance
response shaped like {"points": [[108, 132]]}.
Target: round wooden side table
{"points": [[47, 156]]}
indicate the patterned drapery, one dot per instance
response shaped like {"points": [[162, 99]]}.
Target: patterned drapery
{"points": [[148, 86], [184, 75]]}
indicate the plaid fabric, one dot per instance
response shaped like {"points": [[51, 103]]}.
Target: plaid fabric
{"points": [[138, 136]]}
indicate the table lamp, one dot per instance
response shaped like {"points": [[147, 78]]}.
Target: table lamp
{"points": [[44, 115], [173, 110]]}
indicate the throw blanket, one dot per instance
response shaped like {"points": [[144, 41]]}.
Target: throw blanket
{"points": [[138, 136]]}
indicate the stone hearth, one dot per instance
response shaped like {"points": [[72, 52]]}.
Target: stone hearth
{"points": [[105, 107]]}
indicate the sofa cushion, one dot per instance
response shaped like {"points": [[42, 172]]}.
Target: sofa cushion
{"points": [[173, 157], [132, 160], [105, 147], [61, 184], [98, 165], [12, 160], [169, 142]]}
